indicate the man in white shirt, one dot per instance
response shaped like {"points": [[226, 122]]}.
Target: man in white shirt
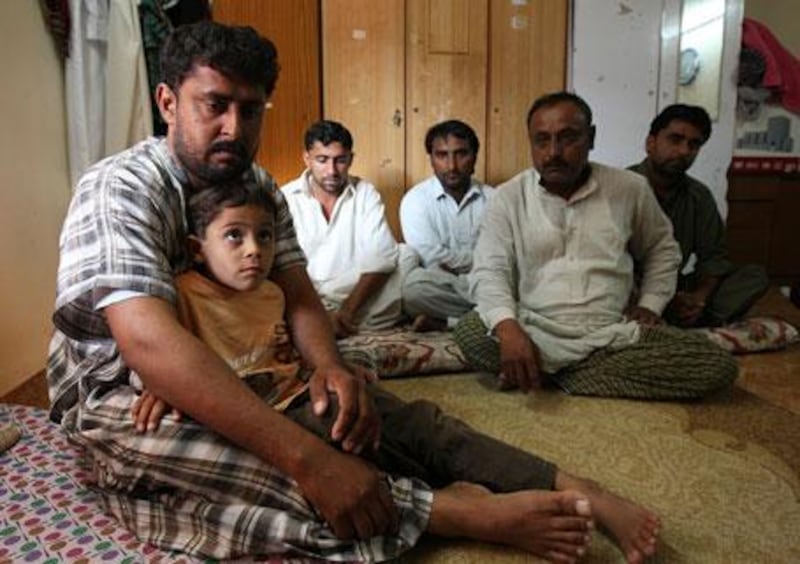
{"points": [[553, 277], [341, 226], [440, 217]]}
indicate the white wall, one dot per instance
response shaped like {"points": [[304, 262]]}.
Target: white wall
{"points": [[624, 61], [782, 17], [34, 188], [614, 67]]}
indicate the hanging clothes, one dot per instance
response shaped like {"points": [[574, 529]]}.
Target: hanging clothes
{"points": [[156, 26], [108, 99], [158, 18], [56, 15]]}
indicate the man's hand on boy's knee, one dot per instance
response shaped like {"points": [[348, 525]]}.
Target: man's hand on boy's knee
{"points": [[357, 425], [148, 410]]}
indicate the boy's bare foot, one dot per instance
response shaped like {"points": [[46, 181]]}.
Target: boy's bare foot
{"points": [[634, 528], [423, 324], [553, 525]]}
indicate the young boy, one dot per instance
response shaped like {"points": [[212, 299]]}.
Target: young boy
{"points": [[226, 299], [228, 303]]}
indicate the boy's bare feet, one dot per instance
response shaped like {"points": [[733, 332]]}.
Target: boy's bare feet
{"points": [[552, 525], [634, 528], [423, 324]]}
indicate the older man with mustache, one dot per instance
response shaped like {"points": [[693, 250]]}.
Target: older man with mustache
{"points": [[553, 276], [715, 291]]}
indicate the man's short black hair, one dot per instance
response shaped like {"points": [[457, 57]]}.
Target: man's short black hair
{"points": [[453, 127], [204, 206], [696, 115], [326, 132], [237, 52], [554, 98]]}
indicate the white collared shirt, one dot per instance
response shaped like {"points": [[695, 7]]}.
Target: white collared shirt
{"points": [[355, 241], [564, 268], [439, 229]]}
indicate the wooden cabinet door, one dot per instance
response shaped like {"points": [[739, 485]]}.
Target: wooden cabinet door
{"points": [[446, 74], [363, 88], [394, 68], [293, 25], [528, 58]]}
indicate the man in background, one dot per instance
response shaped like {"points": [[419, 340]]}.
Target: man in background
{"points": [[341, 227], [715, 291], [554, 271], [440, 218]]}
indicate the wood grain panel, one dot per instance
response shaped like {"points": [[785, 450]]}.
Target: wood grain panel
{"points": [[748, 231], [762, 223], [784, 252], [442, 86], [528, 54], [448, 27], [756, 187], [363, 83], [294, 28]]}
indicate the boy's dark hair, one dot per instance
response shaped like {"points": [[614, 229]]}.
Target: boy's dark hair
{"points": [[455, 128], [696, 115], [326, 132], [556, 98], [204, 206], [237, 52]]}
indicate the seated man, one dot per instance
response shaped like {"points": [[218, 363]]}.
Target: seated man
{"points": [[341, 226], [553, 274], [716, 291], [440, 218], [236, 477]]}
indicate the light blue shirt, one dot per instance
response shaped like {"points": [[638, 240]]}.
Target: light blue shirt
{"points": [[439, 229]]}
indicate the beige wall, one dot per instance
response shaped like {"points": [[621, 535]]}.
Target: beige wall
{"points": [[781, 17], [34, 188]]}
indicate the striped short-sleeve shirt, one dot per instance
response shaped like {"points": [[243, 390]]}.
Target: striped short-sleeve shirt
{"points": [[126, 230]]}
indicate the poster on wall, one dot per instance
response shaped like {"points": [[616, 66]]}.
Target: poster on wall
{"points": [[768, 104]]}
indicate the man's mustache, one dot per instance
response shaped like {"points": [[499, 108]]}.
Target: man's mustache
{"points": [[234, 147], [553, 163], [682, 164]]}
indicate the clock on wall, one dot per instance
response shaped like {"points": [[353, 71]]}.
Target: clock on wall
{"points": [[689, 66]]}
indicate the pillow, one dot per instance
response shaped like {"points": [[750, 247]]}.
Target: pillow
{"points": [[401, 352], [753, 334]]}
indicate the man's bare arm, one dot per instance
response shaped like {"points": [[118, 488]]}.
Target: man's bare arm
{"points": [[369, 284], [356, 424], [178, 368]]}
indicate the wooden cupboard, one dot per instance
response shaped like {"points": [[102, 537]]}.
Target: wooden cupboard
{"points": [[293, 25], [390, 69], [762, 224]]}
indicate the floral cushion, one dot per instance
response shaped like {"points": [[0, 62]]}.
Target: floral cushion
{"points": [[401, 352], [753, 335]]}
